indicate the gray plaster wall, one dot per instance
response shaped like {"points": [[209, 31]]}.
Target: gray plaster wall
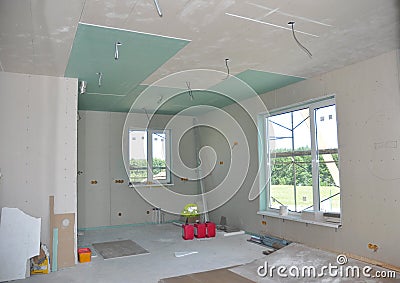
{"points": [[100, 158], [368, 113]]}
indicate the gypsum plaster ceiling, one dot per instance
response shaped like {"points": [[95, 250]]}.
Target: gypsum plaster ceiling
{"points": [[36, 36]]}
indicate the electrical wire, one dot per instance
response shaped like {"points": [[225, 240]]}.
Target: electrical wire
{"points": [[158, 8], [100, 74], [190, 92], [227, 68], [298, 42]]}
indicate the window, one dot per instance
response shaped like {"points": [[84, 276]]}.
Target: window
{"points": [[149, 156], [302, 157]]}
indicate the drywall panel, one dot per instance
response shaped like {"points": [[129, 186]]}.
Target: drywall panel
{"points": [[368, 103], [94, 169], [38, 145], [19, 241]]}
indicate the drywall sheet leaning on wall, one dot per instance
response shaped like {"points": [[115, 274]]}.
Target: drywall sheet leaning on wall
{"points": [[19, 241]]}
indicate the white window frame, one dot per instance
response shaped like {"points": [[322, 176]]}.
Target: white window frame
{"points": [[149, 133], [265, 208]]}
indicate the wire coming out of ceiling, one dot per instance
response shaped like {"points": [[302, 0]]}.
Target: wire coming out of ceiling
{"points": [[82, 87], [100, 74], [298, 42], [116, 53], [190, 92], [227, 67], [158, 8]]}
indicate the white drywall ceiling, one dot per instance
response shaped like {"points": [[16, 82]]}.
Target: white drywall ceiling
{"points": [[36, 35]]}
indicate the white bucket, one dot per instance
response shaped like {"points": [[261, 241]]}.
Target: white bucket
{"points": [[283, 210]]}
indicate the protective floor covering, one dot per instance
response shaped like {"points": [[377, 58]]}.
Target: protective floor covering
{"points": [[313, 265], [119, 249], [213, 276]]}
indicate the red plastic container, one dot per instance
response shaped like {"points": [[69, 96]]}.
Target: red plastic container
{"points": [[187, 232], [211, 229], [200, 230], [84, 254]]}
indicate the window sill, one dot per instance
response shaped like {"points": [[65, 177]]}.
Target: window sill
{"points": [[140, 186], [298, 218]]}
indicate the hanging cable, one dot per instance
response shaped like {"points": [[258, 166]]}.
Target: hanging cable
{"points": [[116, 53], [298, 42], [158, 8], [190, 92], [227, 67], [100, 74]]}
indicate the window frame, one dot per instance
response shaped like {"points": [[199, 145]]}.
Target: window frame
{"points": [[150, 175], [266, 158]]}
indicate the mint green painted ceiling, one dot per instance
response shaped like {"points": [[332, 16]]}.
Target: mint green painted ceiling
{"points": [[109, 103], [139, 56], [263, 82], [220, 95], [183, 101], [229, 91]]}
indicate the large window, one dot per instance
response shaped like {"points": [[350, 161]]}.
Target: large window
{"points": [[302, 158], [149, 156]]}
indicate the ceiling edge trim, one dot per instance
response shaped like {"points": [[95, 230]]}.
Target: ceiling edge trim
{"points": [[282, 74], [140, 32]]}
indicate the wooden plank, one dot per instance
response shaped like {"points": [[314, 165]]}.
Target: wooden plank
{"points": [[51, 208], [374, 262], [302, 153]]}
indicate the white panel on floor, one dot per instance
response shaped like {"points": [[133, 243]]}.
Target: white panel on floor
{"points": [[19, 241]]}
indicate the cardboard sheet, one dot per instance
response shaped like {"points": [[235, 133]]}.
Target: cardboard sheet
{"points": [[64, 223], [213, 276], [19, 241]]}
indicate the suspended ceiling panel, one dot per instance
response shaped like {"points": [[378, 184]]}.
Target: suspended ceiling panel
{"points": [[93, 60], [230, 90]]}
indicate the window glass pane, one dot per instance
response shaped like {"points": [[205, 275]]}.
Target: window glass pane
{"points": [[282, 195], [326, 127], [159, 156], [290, 155], [301, 131], [280, 133], [304, 182], [327, 145], [138, 156]]}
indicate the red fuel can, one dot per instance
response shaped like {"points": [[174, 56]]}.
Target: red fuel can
{"points": [[200, 230], [211, 229], [187, 232]]}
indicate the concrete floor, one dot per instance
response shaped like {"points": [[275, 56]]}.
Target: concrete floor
{"points": [[162, 241], [301, 256]]}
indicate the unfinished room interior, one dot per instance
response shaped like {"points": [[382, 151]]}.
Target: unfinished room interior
{"points": [[199, 141]]}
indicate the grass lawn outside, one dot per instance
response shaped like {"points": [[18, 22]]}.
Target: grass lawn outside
{"points": [[304, 197]]}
